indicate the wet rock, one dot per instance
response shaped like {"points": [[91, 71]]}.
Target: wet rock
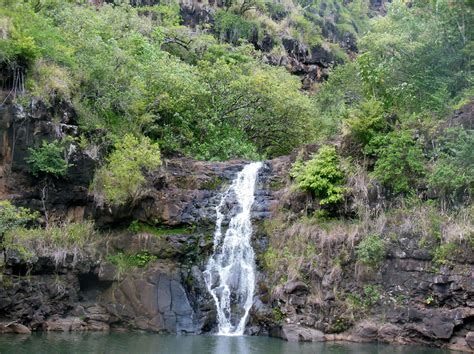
{"points": [[296, 287], [366, 331], [389, 333], [19, 328], [470, 339], [296, 333], [154, 299], [69, 324]]}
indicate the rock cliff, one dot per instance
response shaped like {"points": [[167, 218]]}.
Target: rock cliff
{"points": [[415, 301]]}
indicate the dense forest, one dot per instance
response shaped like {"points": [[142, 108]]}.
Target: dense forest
{"points": [[363, 95]]}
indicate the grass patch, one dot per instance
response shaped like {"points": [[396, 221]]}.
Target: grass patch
{"points": [[124, 262], [57, 241], [137, 227]]}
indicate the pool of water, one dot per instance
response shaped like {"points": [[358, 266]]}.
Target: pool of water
{"points": [[50, 343]]}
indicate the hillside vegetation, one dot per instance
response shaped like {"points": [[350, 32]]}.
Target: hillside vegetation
{"points": [[205, 91]]}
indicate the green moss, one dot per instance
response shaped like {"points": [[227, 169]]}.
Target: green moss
{"points": [[137, 226], [213, 184]]}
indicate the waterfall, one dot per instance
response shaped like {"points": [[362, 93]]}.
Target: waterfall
{"points": [[230, 272]]}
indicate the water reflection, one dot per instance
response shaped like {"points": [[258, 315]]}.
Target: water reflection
{"points": [[137, 343]]}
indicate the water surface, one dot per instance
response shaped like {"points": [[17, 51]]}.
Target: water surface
{"points": [[137, 343]]}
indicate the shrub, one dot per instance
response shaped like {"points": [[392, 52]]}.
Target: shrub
{"points": [[12, 217], [453, 173], [57, 241], [400, 161], [48, 159], [233, 27], [322, 175], [445, 253], [122, 178], [50, 81], [370, 251], [366, 121]]}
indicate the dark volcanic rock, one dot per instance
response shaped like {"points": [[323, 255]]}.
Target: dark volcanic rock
{"points": [[155, 300]]}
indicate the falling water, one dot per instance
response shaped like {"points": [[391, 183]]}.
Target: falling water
{"points": [[230, 272]]}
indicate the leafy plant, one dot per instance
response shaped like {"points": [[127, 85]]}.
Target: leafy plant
{"points": [[400, 161], [453, 173], [57, 241], [429, 300], [122, 178], [445, 253], [124, 262], [371, 250], [12, 217], [48, 159], [322, 175], [278, 315]]}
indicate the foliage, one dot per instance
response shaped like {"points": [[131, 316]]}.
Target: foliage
{"points": [[12, 217], [340, 325], [122, 178], [400, 161], [416, 57], [55, 241], [136, 227], [366, 121], [445, 253], [124, 262], [322, 175], [50, 82], [48, 159], [234, 27], [371, 296], [278, 315], [453, 173], [371, 251], [136, 70]]}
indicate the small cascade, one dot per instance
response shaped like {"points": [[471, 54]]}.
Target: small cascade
{"points": [[230, 272]]}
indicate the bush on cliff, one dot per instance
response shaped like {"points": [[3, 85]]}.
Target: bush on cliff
{"points": [[12, 217], [57, 241], [48, 159], [122, 178], [371, 250], [322, 176]]}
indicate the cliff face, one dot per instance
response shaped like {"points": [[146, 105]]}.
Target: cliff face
{"points": [[406, 298]]}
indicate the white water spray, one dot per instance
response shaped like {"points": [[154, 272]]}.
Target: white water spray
{"points": [[230, 272]]}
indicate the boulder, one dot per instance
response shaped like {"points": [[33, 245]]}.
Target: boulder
{"points": [[296, 287], [68, 324], [296, 333], [366, 331], [19, 328], [470, 339], [389, 332]]}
